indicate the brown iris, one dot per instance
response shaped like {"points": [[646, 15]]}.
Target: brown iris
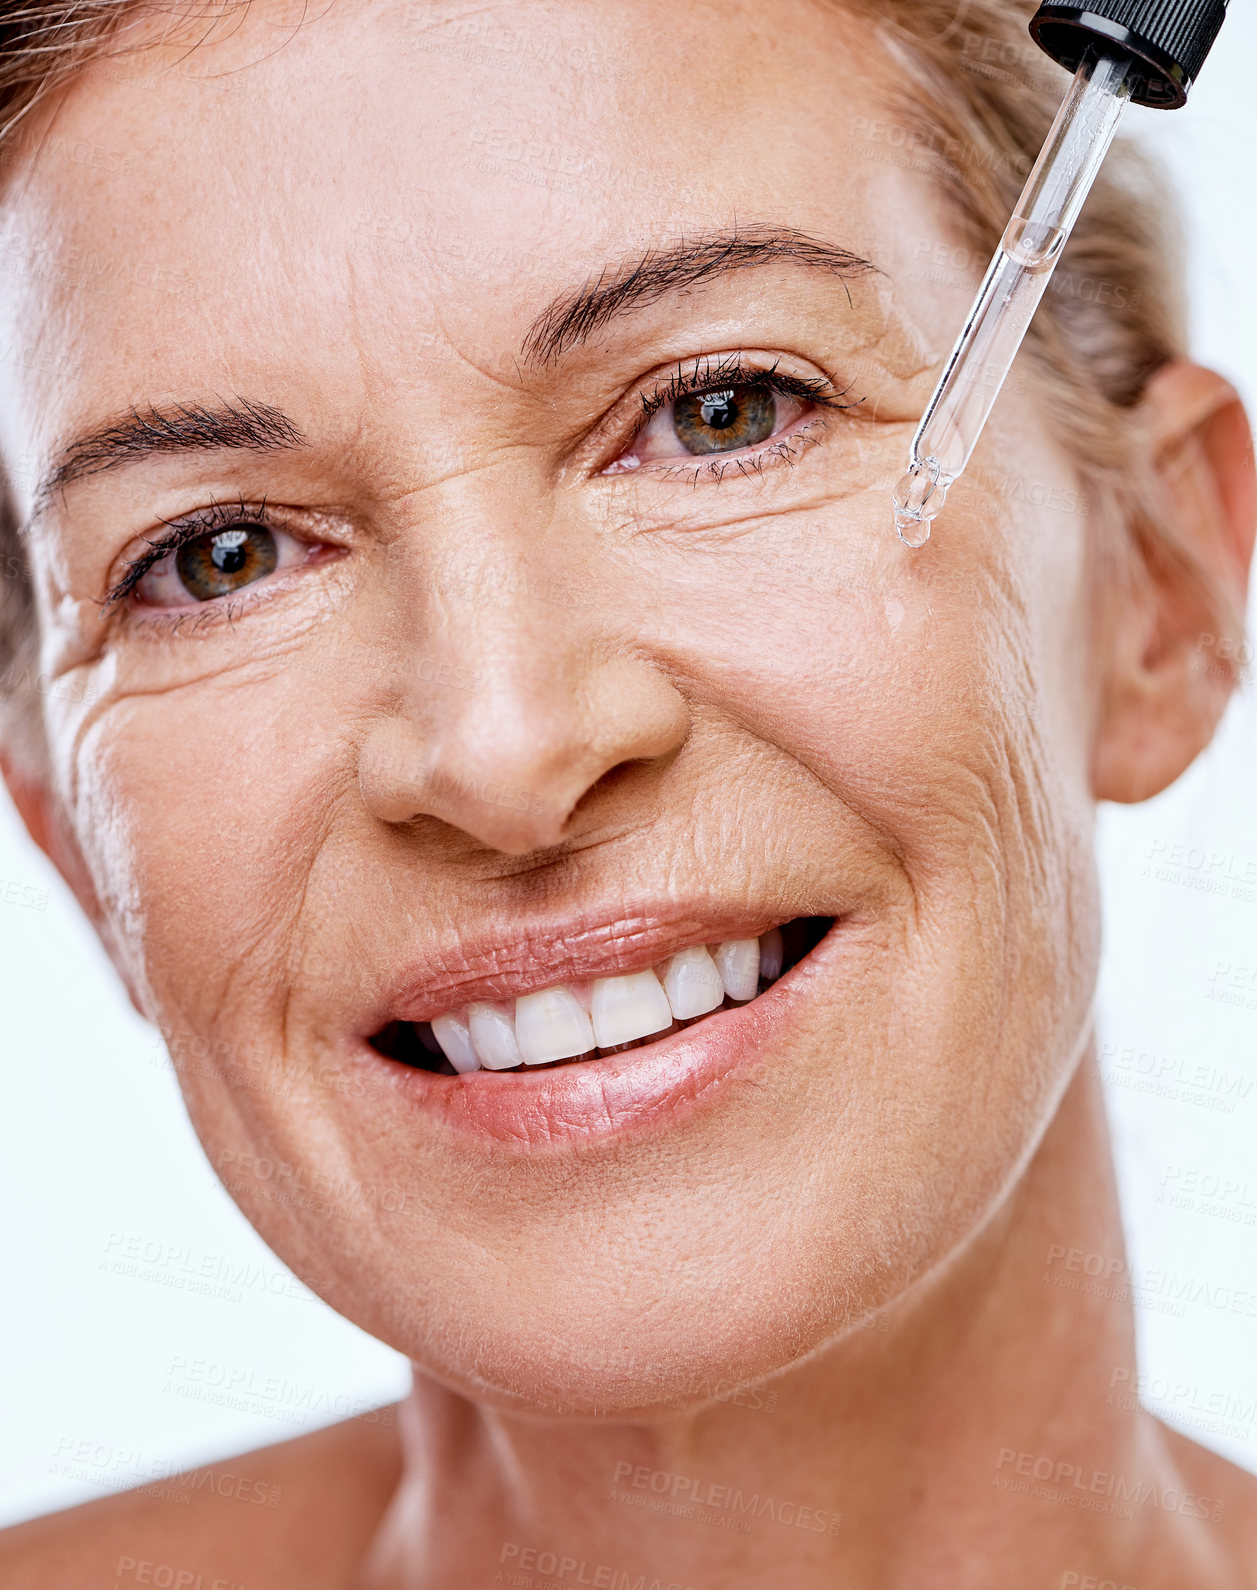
{"points": [[224, 561], [721, 422]]}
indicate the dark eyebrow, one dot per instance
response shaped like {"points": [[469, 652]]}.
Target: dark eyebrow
{"points": [[179, 428], [569, 319], [574, 316]]}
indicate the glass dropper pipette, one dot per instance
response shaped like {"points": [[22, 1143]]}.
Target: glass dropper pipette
{"points": [[1150, 53], [1014, 285]]}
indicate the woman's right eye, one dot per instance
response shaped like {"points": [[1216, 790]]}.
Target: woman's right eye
{"points": [[725, 419], [218, 563]]}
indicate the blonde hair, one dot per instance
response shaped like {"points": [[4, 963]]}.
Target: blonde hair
{"points": [[974, 102]]}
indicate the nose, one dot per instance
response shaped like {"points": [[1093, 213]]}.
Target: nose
{"points": [[539, 712]]}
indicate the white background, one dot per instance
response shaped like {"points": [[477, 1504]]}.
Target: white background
{"points": [[115, 1370]]}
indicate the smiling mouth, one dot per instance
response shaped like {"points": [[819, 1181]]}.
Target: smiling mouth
{"points": [[578, 1021]]}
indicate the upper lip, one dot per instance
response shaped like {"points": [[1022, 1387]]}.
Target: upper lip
{"points": [[491, 965]]}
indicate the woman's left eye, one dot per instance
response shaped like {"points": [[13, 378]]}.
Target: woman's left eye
{"points": [[218, 563], [722, 420]]}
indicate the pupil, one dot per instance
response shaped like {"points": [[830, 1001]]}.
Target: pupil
{"points": [[723, 422], [719, 410], [230, 553], [224, 561]]}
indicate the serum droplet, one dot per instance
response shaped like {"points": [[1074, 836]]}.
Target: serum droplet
{"points": [[918, 499], [913, 532]]}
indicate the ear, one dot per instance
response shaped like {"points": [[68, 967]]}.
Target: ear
{"points": [[1172, 647], [45, 822]]}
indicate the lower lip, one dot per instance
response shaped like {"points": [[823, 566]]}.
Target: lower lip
{"points": [[638, 1091]]}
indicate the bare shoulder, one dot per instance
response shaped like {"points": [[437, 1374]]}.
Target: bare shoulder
{"points": [[297, 1514], [1229, 1492]]}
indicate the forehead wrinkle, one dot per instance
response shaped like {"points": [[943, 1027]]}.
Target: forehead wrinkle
{"points": [[572, 317]]}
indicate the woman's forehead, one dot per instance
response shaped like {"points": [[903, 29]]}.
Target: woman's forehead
{"points": [[338, 197]]}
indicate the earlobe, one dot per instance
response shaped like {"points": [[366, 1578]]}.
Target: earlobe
{"points": [[1171, 638]]}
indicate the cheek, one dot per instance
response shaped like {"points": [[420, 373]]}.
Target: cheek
{"points": [[914, 684], [933, 697], [200, 811]]}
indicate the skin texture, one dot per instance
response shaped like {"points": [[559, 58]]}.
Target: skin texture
{"points": [[515, 709]]}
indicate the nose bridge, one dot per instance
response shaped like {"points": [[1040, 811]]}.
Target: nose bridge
{"points": [[526, 688], [510, 595], [528, 655], [481, 584]]}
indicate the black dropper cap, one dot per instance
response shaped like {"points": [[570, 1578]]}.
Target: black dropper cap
{"points": [[1169, 39]]}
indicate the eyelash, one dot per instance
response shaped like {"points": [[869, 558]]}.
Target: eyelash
{"points": [[188, 527], [711, 374], [705, 374]]}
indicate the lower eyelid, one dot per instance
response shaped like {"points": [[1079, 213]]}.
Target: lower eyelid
{"points": [[718, 465], [288, 544], [714, 463]]}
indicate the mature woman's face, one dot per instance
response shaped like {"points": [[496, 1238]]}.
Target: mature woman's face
{"points": [[496, 684]]}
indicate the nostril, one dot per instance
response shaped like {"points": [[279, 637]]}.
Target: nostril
{"points": [[484, 792], [391, 771], [513, 762]]}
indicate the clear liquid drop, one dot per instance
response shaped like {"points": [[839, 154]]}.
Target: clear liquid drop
{"points": [[918, 499], [912, 532]]}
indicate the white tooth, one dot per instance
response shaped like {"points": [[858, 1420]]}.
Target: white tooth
{"points": [[493, 1033], [692, 983], [738, 961], [627, 1008], [550, 1025], [452, 1033], [771, 954]]}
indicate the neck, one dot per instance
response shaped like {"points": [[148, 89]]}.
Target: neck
{"points": [[985, 1421]]}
